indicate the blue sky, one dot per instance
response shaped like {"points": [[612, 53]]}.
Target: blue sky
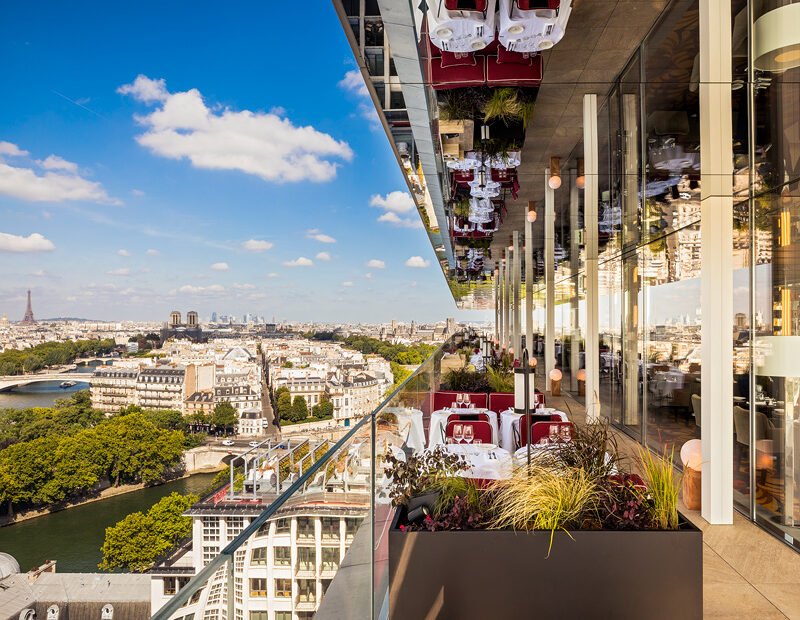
{"points": [[198, 156]]}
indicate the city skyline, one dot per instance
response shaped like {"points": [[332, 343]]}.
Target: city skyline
{"points": [[140, 179]]}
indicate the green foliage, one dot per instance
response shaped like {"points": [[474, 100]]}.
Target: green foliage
{"points": [[66, 417], [16, 362], [323, 410], [287, 364], [659, 475], [500, 381], [284, 406], [224, 416], [399, 373], [60, 465], [420, 473], [465, 380], [413, 354], [299, 409], [134, 543]]}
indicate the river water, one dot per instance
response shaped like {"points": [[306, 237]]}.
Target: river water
{"points": [[74, 536]]}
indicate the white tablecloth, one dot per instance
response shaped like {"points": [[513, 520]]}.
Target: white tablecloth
{"points": [[409, 422], [509, 420], [439, 424], [486, 461]]}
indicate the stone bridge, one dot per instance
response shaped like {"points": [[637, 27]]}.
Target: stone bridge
{"points": [[14, 381]]}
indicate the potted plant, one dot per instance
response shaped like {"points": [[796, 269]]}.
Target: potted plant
{"points": [[574, 536]]}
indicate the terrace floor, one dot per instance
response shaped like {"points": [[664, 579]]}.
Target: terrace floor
{"points": [[746, 572]]}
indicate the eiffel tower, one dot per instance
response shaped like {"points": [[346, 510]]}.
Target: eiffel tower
{"points": [[28, 319]]}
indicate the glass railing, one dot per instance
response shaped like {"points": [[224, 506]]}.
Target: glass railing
{"points": [[281, 489]]}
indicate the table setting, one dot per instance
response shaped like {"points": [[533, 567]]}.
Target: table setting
{"points": [[439, 419], [509, 422]]}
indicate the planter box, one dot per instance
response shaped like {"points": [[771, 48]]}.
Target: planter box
{"points": [[504, 574]]}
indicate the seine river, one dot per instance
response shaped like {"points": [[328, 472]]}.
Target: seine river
{"points": [[74, 536]]}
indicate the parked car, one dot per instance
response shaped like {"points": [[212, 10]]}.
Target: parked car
{"points": [[228, 442], [254, 444]]}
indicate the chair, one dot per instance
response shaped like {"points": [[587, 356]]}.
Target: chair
{"points": [[480, 430], [442, 400], [542, 430], [499, 402], [520, 436], [696, 408], [469, 417], [478, 399], [741, 427]]}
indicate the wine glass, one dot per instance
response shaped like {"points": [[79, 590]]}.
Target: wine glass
{"points": [[467, 401], [469, 433], [458, 432], [553, 433], [566, 433], [459, 399]]}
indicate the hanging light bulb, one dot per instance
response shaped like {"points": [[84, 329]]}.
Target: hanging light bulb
{"points": [[580, 178], [555, 173], [531, 211]]}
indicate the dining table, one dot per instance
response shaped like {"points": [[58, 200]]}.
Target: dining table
{"points": [[509, 422], [410, 426], [438, 423], [485, 461]]}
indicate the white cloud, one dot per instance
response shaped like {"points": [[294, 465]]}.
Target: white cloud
{"points": [[376, 263], [57, 180], [244, 287], [220, 267], [417, 262], [273, 275], [302, 261], [146, 90], [266, 145], [347, 284], [122, 271], [12, 150], [213, 289], [319, 236], [353, 82], [54, 162], [399, 202], [368, 276], [256, 245], [323, 256], [137, 192], [123, 253], [152, 252], [39, 273], [392, 218], [32, 243]]}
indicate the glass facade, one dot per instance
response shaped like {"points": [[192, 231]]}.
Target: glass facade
{"points": [[649, 250]]}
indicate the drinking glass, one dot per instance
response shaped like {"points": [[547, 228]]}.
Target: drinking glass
{"points": [[469, 433], [458, 432], [459, 399], [477, 441], [553, 433], [566, 433]]}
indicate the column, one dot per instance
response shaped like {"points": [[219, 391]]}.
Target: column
{"points": [[497, 316], [529, 271], [501, 275], [549, 279], [507, 299], [716, 287], [517, 275], [631, 234], [575, 266], [590, 165]]}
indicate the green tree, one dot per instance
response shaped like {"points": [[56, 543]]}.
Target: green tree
{"points": [[299, 409], [134, 543], [287, 364], [166, 418], [224, 416], [285, 406], [323, 410]]}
